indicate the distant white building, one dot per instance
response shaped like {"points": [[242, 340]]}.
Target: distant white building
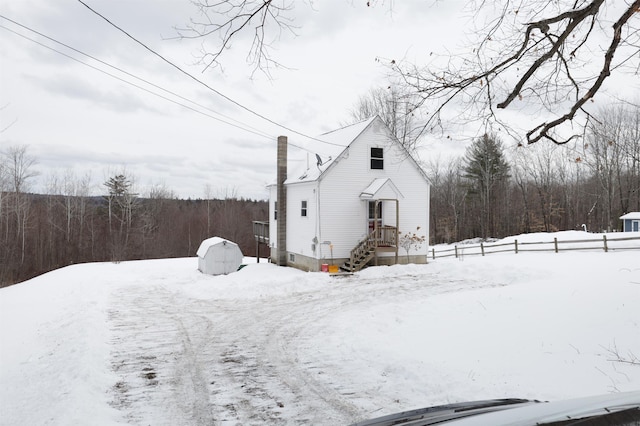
{"points": [[217, 256], [631, 222], [349, 197]]}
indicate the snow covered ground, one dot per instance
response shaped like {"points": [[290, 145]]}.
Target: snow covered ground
{"points": [[158, 343]]}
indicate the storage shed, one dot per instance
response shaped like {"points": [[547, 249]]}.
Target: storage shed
{"points": [[217, 256], [631, 222]]}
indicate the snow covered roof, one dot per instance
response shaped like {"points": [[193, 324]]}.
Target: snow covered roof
{"points": [[375, 188], [209, 242], [304, 166], [631, 215]]}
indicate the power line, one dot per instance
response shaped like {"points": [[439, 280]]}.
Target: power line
{"points": [[240, 125], [200, 81], [138, 86]]}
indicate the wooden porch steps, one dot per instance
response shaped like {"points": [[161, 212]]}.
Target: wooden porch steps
{"points": [[365, 251], [358, 263]]}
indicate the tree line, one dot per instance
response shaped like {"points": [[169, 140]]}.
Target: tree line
{"points": [[494, 192], [68, 225]]}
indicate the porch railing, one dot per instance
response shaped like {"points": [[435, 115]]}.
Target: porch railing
{"points": [[383, 236], [261, 231], [386, 236]]}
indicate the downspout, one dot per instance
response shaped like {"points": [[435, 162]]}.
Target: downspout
{"points": [[282, 201]]}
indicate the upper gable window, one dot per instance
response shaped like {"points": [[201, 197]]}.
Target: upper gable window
{"points": [[377, 159]]}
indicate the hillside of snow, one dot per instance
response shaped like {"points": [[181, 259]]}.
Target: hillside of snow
{"points": [[157, 342]]}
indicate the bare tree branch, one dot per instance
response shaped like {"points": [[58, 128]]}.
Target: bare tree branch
{"points": [[551, 56], [548, 67], [230, 19], [543, 131], [616, 356]]}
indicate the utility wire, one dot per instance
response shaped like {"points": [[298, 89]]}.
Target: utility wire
{"points": [[200, 81], [242, 126], [136, 85]]}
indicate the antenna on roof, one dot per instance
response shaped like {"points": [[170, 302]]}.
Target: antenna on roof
{"points": [[319, 160]]}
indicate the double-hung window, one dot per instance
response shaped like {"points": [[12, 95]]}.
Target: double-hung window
{"points": [[303, 208], [377, 159]]}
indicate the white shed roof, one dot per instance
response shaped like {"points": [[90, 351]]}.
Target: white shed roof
{"points": [[631, 215], [209, 242]]}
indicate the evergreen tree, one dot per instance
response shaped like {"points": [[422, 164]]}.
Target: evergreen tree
{"points": [[122, 202], [486, 171]]}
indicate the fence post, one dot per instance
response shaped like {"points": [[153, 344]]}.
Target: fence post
{"points": [[555, 244], [516, 243], [456, 247], [433, 253], [604, 239], [482, 248]]}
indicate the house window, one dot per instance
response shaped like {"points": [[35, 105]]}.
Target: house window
{"points": [[377, 159], [292, 258], [303, 208], [372, 210], [275, 210]]}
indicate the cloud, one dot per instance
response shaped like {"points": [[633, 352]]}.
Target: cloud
{"points": [[79, 88]]}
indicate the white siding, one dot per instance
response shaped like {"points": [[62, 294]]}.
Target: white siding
{"points": [[344, 215], [335, 212], [301, 230]]}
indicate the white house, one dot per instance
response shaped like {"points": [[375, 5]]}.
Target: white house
{"points": [[631, 222], [217, 256], [350, 195]]}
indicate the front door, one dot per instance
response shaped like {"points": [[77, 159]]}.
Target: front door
{"points": [[374, 220], [635, 225]]}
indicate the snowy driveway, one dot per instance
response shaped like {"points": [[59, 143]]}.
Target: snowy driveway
{"points": [[185, 359]]}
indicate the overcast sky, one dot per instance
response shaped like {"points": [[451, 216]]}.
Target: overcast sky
{"points": [[75, 118]]}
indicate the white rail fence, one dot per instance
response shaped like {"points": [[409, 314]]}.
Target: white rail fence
{"points": [[605, 244]]}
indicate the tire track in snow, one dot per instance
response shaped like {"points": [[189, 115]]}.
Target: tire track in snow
{"points": [[191, 361], [160, 373]]}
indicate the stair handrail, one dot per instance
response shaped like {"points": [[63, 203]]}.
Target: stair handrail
{"points": [[364, 246]]}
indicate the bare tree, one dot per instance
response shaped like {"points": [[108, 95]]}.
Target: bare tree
{"points": [[153, 209], [4, 187], [395, 108], [552, 56], [611, 145], [448, 195], [20, 169], [538, 166], [208, 194]]}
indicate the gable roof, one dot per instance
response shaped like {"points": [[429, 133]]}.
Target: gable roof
{"points": [[377, 187], [631, 215], [327, 148], [309, 163]]}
